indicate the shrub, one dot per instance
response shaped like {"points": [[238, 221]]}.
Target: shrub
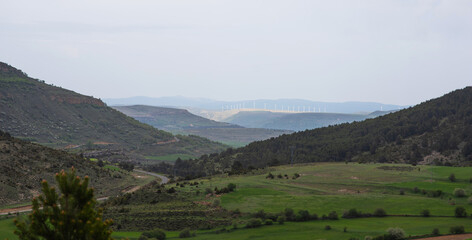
{"points": [[457, 229], [352, 213], [156, 233], [460, 212], [396, 233], [333, 216], [425, 213], [185, 233], [345, 229], [289, 214], [260, 214], [452, 177], [208, 191], [470, 200], [231, 187], [327, 227], [254, 223], [279, 176], [402, 192], [281, 220], [303, 215], [436, 232], [269, 222], [459, 192], [270, 176], [416, 190], [142, 237], [380, 212]]}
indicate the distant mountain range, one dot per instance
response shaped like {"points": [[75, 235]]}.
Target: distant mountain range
{"points": [[181, 121], [295, 105], [296, 121], [53, 116]]}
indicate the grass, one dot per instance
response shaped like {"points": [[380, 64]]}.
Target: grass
{"points": [[6, 229], [358, 228], [112, 167], [170, 157], [327, 187]]}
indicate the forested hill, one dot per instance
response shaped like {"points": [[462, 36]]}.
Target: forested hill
{"points": [[24, 164], [33, 110], [438, 131]]}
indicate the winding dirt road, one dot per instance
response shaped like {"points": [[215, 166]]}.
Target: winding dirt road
{"points": [[28, 208]]}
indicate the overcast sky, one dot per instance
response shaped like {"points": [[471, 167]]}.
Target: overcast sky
{"points": [[397, 52]]}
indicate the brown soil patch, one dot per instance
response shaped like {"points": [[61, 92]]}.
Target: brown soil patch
{"points": [[354, 178], [450, 237], [16, 209]]}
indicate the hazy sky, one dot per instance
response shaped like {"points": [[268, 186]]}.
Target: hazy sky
{"points": [[398, 52]]}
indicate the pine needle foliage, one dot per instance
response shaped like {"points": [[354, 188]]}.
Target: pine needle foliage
{"points": [[68, 216]]}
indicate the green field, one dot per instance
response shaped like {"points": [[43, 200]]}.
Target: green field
{"points": [[358, 228], [170, 157], [6, 229], [327, 187]]}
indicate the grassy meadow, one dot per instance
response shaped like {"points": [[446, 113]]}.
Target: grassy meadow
{"points": [[325, 187]]}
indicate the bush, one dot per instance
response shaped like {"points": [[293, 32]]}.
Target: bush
{"points": [[270, 176], [457, 230], [289, 214], [452, 177], [333, 216], [269, 222], [208, 191], [254, 223], [352, 213], [302, 216], [460, 212], [231, 187], [260, 214], [416, 190], [459, 192], [396, 233], [425, 213], [156, 233], [470, 200], [380, 212], [436, 232], [185, 233], [402, 192], [327, 227], [281, 220]]}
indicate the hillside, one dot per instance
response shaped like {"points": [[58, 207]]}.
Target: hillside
{"points": [[24, 164], [181, 121], [58, 117], [294, 121], [436, 132]]}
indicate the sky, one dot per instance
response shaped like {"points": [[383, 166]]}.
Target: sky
{"points": [[396, 52]]}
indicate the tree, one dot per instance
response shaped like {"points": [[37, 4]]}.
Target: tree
{"points": [[452, 177], [460, 212], [70, 216]]}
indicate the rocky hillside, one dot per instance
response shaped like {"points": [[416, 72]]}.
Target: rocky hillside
{"points": [[33, 110], [23, 165]]}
